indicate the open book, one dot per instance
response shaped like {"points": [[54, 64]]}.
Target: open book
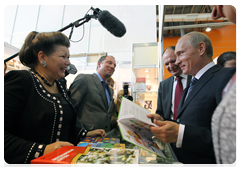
{"points": [[134, 126]]}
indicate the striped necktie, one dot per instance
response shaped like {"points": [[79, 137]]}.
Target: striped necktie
{"points": [[193, 82]]}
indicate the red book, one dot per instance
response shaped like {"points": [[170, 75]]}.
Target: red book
{"points": [[64, 155], [72, 156]]}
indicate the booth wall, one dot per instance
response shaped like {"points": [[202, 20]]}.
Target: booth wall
{"points": [[223, 39]]}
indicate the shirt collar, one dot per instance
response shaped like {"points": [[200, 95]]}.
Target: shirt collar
{"points": [[204, 69], [99, 76], [184, 76]]}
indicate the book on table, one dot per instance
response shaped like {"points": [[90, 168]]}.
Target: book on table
{"points": [[134, 126], [100, 140], [102, 145], [89, 155]]}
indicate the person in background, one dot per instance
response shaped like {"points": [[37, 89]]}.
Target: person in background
{"points": [[227, 11], [114, 115], [224, 117], [119, 99], [116, 107], [110, 83], [166, 105], [191, 137], [92, 97], [227, 59], [38, 115]]}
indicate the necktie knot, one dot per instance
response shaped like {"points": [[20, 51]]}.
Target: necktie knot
{"points": [[193, 82], [104, 84], [178, 78]]}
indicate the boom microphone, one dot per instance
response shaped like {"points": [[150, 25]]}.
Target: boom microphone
{"points": [[111, 23]]}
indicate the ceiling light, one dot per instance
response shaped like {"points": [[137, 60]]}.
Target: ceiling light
{"points": [[208, 29], [146, 71]]}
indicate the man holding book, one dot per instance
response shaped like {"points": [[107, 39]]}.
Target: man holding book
{"points": [[190, 136]]}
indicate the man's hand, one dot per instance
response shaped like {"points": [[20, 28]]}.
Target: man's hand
{"points": [[166, 132], [155, 116]]}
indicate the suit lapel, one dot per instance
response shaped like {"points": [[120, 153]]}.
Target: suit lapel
{"points": [[169, 96], [197, 87], [189, 78], [100, 88]]}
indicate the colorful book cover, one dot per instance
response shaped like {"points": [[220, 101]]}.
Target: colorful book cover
{"points": [[101, 140], [89, 155], [102, 145], [135, 126]]}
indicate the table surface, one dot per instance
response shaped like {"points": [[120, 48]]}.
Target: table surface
{"points": [[145, 156]]}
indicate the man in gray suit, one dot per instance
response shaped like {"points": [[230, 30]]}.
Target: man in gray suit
{"points": [[91, 96], [166, 90]]}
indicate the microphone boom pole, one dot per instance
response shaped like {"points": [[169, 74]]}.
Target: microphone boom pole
{"points": [[107, 20], [72, 24]]}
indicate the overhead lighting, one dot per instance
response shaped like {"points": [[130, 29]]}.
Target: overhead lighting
{"points": [[147, 76], [208, 29], [146, 71]]}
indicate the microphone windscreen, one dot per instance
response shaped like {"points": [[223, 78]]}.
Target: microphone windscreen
{"points": [[112, 24], [71, 69]]}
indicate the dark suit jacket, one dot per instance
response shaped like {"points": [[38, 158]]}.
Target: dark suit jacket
{"points": [[164, 103], [196, 114], [90, 102]]}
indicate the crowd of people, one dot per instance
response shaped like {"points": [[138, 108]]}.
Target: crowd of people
{"points": [[196, 107]]}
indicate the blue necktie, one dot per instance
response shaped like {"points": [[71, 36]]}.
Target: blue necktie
{"points": [[193, 82], [106, 89]]}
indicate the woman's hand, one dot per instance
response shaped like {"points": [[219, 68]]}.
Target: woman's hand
{"points": [[56, 145], [97, 132]]}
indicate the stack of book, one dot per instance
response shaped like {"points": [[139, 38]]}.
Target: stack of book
{"points": [[101, 142], [92, 151], [134, 127]]}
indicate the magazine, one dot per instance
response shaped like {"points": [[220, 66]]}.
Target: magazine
{"points": [[102, 145], [135, 126], [100, 140], [89, 155]]}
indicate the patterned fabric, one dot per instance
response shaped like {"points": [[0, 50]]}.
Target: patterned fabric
{"points": [[193, 82], [34, 118], [224, 128]]}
